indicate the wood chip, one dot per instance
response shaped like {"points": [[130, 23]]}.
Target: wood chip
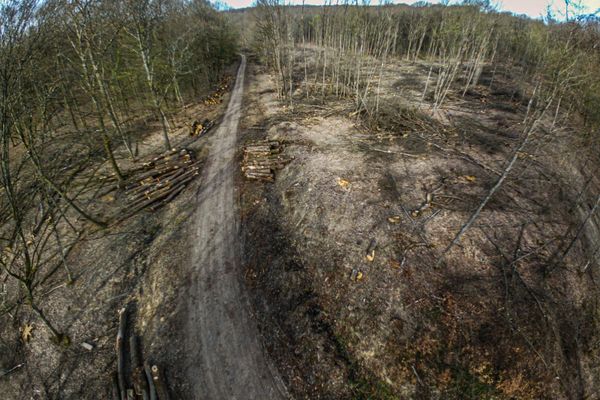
{"points": [[87, 346]]}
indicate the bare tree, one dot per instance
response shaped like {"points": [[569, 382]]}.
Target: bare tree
{"points": [[146, 15]]}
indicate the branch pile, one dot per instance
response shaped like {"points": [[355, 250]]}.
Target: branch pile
{"points": [[161, 179], [261, 159]]}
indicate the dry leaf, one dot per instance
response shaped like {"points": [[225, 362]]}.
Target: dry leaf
{"points": [[343, 183], [356, 275], [394, 220], [395, 263], [371, 256], [26, 332], [470, 178], [522, 154]]}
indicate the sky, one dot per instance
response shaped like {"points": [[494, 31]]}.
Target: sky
{"points": [[533, 8]]}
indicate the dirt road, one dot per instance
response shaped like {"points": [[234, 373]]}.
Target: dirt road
{"points": [[222, 340]]}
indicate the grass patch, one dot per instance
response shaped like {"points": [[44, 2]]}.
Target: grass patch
{"points": [[464, 385], [364, 386]]}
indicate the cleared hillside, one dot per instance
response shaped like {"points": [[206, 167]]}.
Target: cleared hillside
{"points": [[436, 234]]}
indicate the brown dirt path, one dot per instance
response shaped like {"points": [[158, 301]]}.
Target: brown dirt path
{"points": [[222, 343]]}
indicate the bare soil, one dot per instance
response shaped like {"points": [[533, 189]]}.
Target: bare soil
{"points": [[224, 357]]}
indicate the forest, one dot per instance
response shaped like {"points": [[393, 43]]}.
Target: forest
{"points": [[106, 117]]}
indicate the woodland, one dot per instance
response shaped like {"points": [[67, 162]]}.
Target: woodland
{"points": [[83, 82], [78, 80]]}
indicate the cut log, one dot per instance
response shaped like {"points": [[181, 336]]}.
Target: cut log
{"points": [[151, 388], [257, 169], [370, 255], [154, 172], [160, 180], [258, 153], [259, 173], [263, 164], [157, 183], [140, 385], [270, 157], [266, 142], [115, 387], [160, 383], [177, 179], [159, 191], [261, 158], [174, 160], [252, 149], [260, 177], [156, 196], [120, 348], [170, 197], [165, 154]]}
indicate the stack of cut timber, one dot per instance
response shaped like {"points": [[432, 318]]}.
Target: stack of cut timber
{"points": [[216, 97], [261, 159], [161, 180]]}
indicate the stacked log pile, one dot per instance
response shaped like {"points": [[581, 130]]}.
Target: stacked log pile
{"points": [[217, 96], [261, 159], [161, 180]]}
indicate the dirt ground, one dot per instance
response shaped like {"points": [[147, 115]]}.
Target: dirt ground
{"points": [[142, 262], [505, 315], [225, 357]]}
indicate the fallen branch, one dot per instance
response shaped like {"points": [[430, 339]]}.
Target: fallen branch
{"points": [[115, 387], [519, 149], [11, 370]]}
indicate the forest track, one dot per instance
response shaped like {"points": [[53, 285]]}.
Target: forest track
{"points": [[222, 342]]}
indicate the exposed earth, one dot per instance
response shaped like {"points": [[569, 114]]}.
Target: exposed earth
{"points": [[221, 342]]}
